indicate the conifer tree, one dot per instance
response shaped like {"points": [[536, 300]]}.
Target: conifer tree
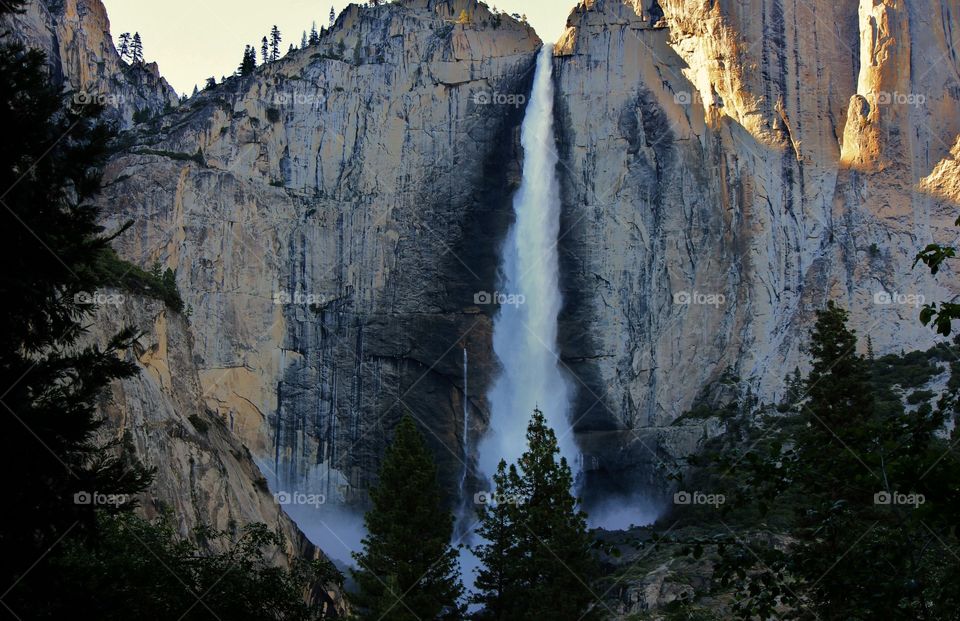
{"points": [[408, 569], [333, 17], [314, 37], [537, 558], [265, 50], [124, 49], [249, 62], [136, 49], [303, 40], [50, 379], [275, 40]]}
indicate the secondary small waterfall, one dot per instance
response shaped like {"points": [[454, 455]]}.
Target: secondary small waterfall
{"points": [[466, 427], [525, 328]]}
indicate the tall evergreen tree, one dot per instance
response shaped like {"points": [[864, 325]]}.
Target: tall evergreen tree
{"points": [[303, 40], [265, 50], [408, 569], [136, 49], [851, 468], [275, 40], [124, 49], [314, 36], [249, 62], [50, 381], [537, 560], [333, 17]]}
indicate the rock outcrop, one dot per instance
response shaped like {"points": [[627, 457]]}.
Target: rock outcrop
{"points": [[728, 168], [75, 35]]}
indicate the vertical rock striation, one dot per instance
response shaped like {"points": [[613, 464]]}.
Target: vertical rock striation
{"points": [[730, 166], [330, 219]]}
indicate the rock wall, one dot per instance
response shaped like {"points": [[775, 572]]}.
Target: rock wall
{"points": [[75, 35], [204, 474], [330, 219], [729, 167]]}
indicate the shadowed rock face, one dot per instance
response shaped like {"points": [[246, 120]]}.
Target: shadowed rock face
{"points": [[331, 219], [777, 153]]}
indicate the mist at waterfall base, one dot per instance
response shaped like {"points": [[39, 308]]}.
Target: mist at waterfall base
{"points": [[332, 527]]}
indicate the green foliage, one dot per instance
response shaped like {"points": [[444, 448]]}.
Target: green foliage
{"points": [[408, 569], [71, 546], [141, 116], [51, 380], [934, 256], [135, 569], [249, 63], [808, 530], [122, 274], [537, 559]]}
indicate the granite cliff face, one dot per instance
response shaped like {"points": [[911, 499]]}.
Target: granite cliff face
{"points": [[330, 219], [729, 167]]}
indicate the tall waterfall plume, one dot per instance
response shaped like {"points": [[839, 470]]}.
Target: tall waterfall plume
{"points": [[525, 328]]}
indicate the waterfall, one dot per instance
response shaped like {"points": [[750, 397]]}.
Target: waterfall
{"points": [[466, 428], [525, 328]]}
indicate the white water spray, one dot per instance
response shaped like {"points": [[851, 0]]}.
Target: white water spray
{"points": [[525, 334]]}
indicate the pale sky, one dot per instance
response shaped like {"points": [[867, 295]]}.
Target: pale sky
{"points": [[195, 39]]}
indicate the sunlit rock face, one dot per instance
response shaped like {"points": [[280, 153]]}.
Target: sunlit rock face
{"points": [[331, 219], [728, 168]]}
